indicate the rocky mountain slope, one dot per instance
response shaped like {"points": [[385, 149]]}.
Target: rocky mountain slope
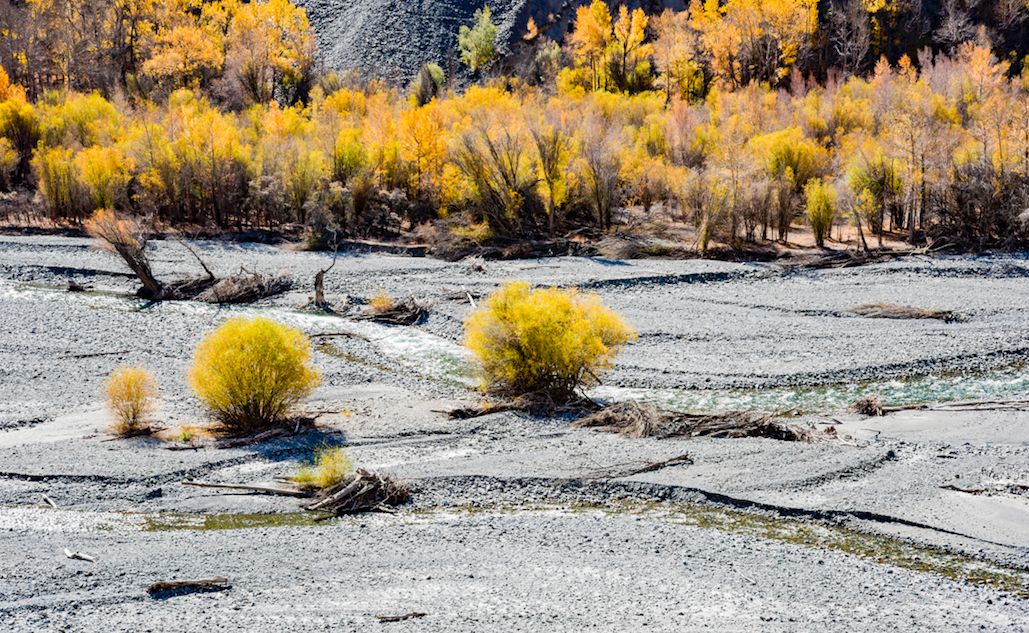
{"points": [[391, 39]]}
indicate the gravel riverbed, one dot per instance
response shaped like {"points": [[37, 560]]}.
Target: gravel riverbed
{"points": [[520, 523]]}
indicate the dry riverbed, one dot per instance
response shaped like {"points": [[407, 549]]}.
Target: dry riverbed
{"points": [[918, 520]]}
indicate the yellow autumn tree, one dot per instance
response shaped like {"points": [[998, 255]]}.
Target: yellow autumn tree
{"points": [[270, 51]]}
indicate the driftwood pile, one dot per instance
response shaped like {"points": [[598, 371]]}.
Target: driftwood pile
{"points": [[361, 491], [401, 312], [636, 420], [245, 287]]}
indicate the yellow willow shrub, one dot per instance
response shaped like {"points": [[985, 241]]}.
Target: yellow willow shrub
{"points": [[290, 155], [148, 147], [59, 184], [8, 163], [346, 104], [212, 163], [8, 89], [379, 136], [19, 124], [306, 176], [548, 341], [250, 373], [130, 393], [329, 467], [82, 119], [820, 203], [423, 148], [105, 173], [349, 157], [789, 155]]}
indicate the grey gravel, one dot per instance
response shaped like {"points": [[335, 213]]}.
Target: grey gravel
{"points": [[526, 561]]}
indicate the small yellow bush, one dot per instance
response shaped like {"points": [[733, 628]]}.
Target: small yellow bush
{"points": [[130, 395], [821, 208], [329, 467], [549, 340], [251, 372], [381, 302]]}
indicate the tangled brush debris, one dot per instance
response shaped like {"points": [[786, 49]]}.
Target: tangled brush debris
{"points": [[636, 420], [398, 312], [245, 287], [362, 492], [869, 405]]}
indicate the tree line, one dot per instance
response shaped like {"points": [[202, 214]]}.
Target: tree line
{"points": [[212, 114]]}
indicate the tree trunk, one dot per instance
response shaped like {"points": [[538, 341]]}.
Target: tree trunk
{"points": [[142, 270]]}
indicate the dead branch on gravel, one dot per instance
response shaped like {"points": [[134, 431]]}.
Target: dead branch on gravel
{"points": [[299, 426], [266, 490], [1011, 488], [360, 337], [178, 587], [362, 491], [628, 470], [872, 406], [319, 300], [50, 502], [535, 403], [125, 236], [893, 311], [468, 413], [414, 615], [636, 420], [78, 556]]}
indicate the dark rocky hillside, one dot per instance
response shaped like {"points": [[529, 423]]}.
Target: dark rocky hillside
{"points": [[391, 39]]}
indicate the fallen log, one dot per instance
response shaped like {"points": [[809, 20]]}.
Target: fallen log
{"points": [[400, 618], [218, 583], [268, 490]]}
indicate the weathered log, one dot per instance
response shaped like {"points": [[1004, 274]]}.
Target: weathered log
{"points": [[400, 618], [268, 490], [218, 583], [79, 556]]}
